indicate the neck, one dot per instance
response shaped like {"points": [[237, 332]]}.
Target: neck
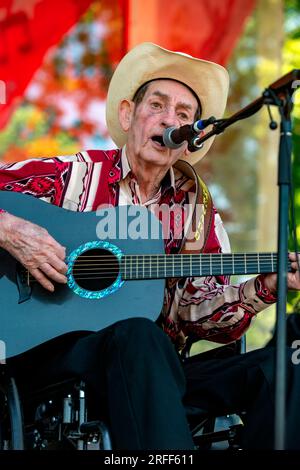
{"points": [[149, 177]]}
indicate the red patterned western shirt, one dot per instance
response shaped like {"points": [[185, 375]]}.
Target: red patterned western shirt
{"points": [[207, 307]]}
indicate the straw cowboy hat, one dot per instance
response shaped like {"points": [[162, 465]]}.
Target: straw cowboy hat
{"points": [[148, 61]]}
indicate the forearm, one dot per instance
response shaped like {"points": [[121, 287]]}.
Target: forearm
{"points": [[221, 313], [5, 217]]}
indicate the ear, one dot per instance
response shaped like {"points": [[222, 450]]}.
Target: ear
{"points": [[126, 109]]}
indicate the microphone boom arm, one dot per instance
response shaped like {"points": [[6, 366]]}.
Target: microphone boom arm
{"points": [[278, 93]]}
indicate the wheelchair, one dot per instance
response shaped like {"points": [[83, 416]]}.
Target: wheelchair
{"points": [[215, 432], [53, 418], [57, 418]]}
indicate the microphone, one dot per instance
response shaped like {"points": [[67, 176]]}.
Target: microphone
{"points": [[173, 137]]}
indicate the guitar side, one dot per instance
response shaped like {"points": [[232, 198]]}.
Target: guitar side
{"points": [[46, 315]]}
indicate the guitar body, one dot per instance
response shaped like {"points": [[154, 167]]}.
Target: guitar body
{"points": [[44, 315]]}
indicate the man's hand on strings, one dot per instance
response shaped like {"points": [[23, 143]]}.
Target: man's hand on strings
{"points": [[293, 277], [36, 250]]}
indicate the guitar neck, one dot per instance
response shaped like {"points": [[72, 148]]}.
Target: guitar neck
{"points": [[196, 265]]}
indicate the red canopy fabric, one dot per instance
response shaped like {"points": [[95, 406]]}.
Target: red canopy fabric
{"points": [[204, 28], [28, 29]]}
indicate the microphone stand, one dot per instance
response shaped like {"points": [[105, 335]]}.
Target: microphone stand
{"points": [[278, 94]]}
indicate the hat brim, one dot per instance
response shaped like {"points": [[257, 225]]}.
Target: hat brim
{"points": [[149, 61]]}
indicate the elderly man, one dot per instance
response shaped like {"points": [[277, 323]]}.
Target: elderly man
{"points": [[131, 368]]}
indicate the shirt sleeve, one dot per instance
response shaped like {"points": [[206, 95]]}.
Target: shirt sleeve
{"points": [[212, 309], [42, 178]]}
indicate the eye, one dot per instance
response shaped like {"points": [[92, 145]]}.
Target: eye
{"points": [[156, 105], [183, 116]]}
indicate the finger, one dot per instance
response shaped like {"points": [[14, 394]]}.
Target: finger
{"points": [[39, 276], [294, 266], [58, 264], [57, 248], [52, 273], [293, 256]]}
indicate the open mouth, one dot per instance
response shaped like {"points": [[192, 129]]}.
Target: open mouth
{"points": [[158, 139]]}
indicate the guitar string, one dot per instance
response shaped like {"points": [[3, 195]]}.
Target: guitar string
{"points": [[143, 277], [115, 267], [172, 258], [133, 278], [148, 260], [140, 274], [140, 265], [175, 263], [187, 256], [175, 259], [136, 275], [165, 262], [166, 265]]}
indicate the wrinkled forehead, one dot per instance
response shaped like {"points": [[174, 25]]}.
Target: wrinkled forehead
{"points": [[152, 85]]}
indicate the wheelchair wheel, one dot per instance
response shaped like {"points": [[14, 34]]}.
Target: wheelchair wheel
{"points": [[11, 422]]}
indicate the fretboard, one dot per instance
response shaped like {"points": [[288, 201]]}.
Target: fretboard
{"points": [[196, 265]]}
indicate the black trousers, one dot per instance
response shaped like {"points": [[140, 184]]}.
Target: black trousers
{"points": [[137, 381]]}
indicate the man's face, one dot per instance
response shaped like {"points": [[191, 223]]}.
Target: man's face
{"points": [[166, 103]]}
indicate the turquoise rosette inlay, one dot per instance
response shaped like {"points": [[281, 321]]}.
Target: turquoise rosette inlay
{"points": [[79, 251]]}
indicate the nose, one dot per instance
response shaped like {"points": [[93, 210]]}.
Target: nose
{"points": [[169, 118]]}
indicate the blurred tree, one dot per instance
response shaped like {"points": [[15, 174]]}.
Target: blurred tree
{"points": [[244, 159], [291, 56], [63, 108]]}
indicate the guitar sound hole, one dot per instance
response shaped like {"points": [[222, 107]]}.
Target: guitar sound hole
{"points": [[96, 269]]}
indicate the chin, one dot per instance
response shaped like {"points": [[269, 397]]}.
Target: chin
{"points": [[157, 157]]}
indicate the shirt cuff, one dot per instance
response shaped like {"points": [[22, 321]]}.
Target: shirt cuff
{"points": [[263, 292], [256, 296]]}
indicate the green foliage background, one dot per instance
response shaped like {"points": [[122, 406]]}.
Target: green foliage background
{"points": [[235, 153], [291, 56]]}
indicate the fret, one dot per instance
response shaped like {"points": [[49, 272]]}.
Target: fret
{"points": [[146, 267], [207, 264], [216, 264], [227, 264]]}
